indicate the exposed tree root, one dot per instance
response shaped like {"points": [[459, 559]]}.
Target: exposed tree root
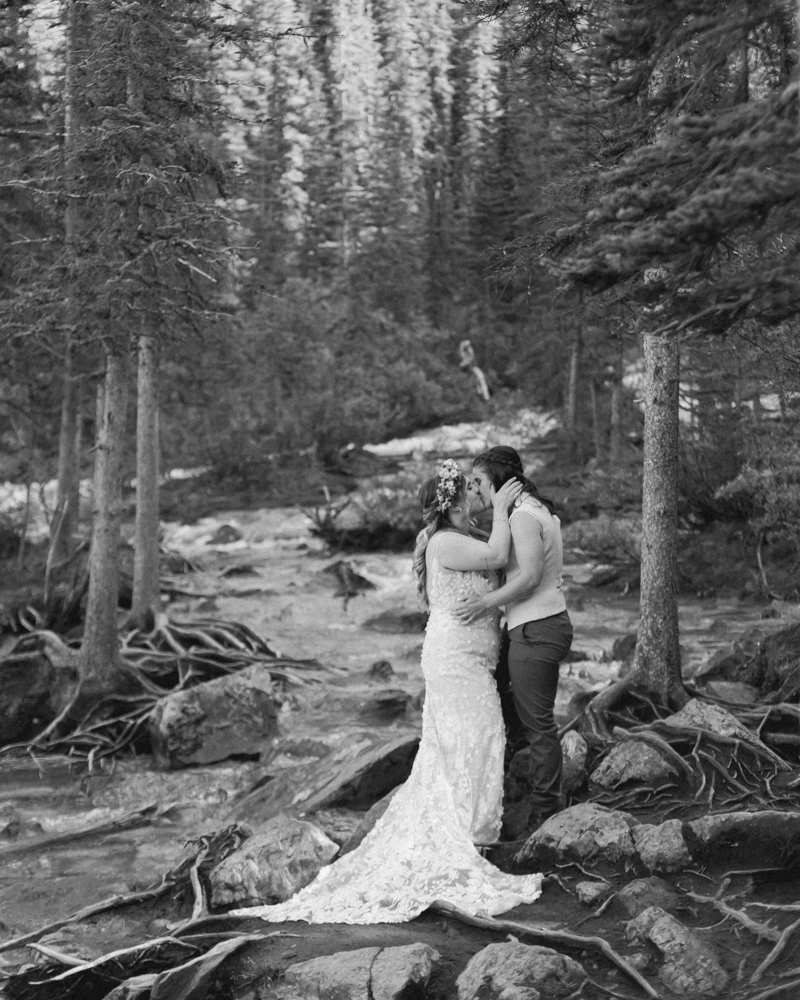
{"points": [[170, 658], [755, 927], [142, 817], [542, 933], [596, 712], [776, 952], [774, 991]]}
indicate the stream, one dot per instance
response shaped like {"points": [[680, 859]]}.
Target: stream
{"points": [[273, 579]]}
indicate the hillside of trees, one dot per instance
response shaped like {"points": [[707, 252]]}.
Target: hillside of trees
{"points": [[286, 218]]}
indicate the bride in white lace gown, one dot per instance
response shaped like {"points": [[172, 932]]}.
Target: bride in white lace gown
{"points": [[423, 847]]}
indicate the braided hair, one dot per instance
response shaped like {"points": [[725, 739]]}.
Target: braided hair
{"points": [[433, 518], [502, 463]]}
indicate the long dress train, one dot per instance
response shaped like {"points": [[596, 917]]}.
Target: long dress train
{"points": [[423, 847]]}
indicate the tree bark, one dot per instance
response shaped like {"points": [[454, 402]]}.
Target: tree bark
{"points": [[65, 518], [100, 648], [615, 428], [571, 412], [657, 666], [146, 594], [596, 429]]}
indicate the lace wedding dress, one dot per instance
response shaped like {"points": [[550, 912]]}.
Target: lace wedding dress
{"points": [[423, 847]]}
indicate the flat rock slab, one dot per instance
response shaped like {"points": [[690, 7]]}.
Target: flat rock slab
{"points": [[691, 967], [231, 715], [586, 832], [358, 773], [769, 836], [516, 971], [363, 974], [281, 857], [735, 692]]}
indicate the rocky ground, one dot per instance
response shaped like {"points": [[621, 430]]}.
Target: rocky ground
{"points": [[672, 873]]}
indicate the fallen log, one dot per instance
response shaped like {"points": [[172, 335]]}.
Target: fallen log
{"points": [[111, 903], [142, 817]]}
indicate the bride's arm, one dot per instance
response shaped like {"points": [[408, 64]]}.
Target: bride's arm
{"points": [[529, 549], [462, 552]]}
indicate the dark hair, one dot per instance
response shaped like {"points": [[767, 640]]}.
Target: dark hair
{"points": [[432, 519], [503, 463]]}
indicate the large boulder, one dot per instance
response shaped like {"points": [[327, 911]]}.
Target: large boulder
{"points": [[697, 714], [586, 832], [765, 837], [363, 974], [283, 856], [368, 822], [37, 675], [632, 760], [662, 848], [357, 773], [516, 971], [764, 657], [26, 706], [235, 714], [691, 967]]}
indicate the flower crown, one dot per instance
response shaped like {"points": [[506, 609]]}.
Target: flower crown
{"points": [[447, 487]]}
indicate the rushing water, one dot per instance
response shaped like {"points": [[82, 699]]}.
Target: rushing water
{"points": [[290, 599]]}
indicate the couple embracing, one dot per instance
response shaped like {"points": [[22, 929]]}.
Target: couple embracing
{"points": [[426, 846]]}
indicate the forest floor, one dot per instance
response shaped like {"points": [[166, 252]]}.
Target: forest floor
{"points": [[276, 579]]}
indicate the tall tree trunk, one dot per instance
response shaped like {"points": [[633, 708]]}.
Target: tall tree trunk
{"points": [[615, 428], [145, 602], [100, 649], [571, 410], [65, 519], [657, 666], [597, 432], [146, 596]]}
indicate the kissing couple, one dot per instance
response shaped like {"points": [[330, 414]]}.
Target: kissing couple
{"points": [[426, 846]]}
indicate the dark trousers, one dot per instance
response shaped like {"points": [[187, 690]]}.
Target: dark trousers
{"points": [[530, 669]]}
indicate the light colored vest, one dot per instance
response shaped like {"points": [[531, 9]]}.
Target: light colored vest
{"points": [[547, 599]]}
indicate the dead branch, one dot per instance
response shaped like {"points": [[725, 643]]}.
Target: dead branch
{"points": [[88, 911], [548, 934], [77, 969], [58, 956]]}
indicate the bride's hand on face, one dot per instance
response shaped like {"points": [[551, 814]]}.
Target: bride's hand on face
{"points": [[504, 498]]}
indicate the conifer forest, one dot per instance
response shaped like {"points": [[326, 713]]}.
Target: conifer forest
{"points": [[264, 264]]}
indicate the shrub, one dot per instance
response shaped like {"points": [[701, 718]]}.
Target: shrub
{"points": [[606, 538]]}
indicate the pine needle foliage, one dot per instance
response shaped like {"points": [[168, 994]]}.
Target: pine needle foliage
{"points": [[695, 215]]}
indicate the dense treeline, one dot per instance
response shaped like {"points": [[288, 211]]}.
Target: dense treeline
{"points": [[289, 215]]}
